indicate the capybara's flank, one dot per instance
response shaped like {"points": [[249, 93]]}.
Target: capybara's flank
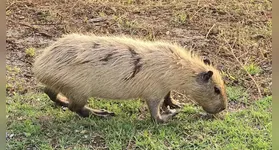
{"points": [[110, 67]]}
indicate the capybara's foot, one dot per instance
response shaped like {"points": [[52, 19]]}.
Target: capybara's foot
{"points": [[86, 112]]}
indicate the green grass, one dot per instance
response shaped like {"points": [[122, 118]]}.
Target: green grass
{"points": [[180, 18], [253, 69], [237, 94], [34, 121], [12, 69], [30, 52], [14, 84]]}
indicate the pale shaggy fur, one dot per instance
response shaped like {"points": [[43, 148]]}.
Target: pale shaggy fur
{"points": [[111, 67]]}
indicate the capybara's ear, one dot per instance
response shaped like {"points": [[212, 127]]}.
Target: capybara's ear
{"points": [[207, 76], [204, 77]]}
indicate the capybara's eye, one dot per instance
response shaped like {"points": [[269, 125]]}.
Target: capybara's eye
{"points": [[216, 90]]}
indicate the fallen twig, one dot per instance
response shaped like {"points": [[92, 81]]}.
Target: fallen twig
{"points": [[47, 24], [8, 7], [196, 12], [232, 51], [209, 30], [33, 27]]}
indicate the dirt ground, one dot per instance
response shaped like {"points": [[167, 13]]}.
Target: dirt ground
{"points": [[233, 34]]}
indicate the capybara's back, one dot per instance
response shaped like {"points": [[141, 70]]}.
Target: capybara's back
{"points": [[83, 66], [107, 67]]}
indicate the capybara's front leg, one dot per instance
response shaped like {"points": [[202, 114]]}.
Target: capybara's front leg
{"points": [[154, 108]]}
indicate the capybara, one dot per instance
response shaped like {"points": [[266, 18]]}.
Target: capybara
{"points": [[80, 66]]}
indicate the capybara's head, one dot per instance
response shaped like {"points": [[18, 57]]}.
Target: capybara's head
{"points": [[210, 91]]}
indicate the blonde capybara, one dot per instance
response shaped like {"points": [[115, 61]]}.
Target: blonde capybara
{"points": [[117, 67]]}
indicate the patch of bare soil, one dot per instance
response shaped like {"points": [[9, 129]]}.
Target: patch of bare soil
{"points": [[231, 34]]}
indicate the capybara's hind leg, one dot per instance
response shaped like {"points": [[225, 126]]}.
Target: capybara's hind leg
{"points": [[55, 97], [101, 112], [79, 108], [85, 111]]}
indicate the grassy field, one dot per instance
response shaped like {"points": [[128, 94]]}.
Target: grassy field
{"points": [[234, 34], [34, 122]]}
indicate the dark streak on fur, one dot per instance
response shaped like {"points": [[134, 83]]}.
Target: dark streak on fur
{"points": [[137, 67], [133, 52], [137, 64], [170, 50], [107, 57], [95, 45], [84, 62]]}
